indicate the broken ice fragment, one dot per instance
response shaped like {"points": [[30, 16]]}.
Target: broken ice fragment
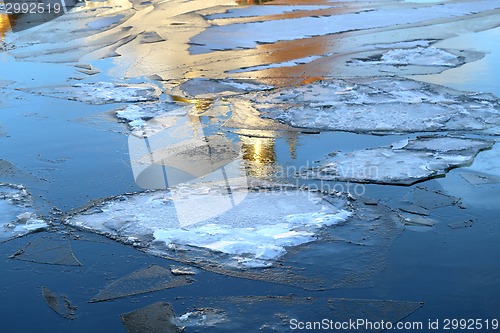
{"points": [[416, 220], [155, 318], [378, 105], [420, 56], [137, 114], [420, 159], [102, 92], [204, 317], [414, 209], [430, 199], [59, 303], [17, 218], [153, 278], [179, 270], [47, 250], [480, 179], [463, 224]]}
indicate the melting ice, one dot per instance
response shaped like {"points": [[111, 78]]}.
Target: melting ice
{"points": [[253, 233], [17, 218], [405, 162], [379, 105]]}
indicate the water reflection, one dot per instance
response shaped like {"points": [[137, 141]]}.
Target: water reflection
{"points": [[5, 25]]}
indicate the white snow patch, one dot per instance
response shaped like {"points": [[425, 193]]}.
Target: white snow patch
{"points": [[252, 234]]}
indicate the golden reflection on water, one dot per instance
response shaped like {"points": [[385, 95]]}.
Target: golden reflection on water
{"points": [[259, 155], [5, 25]]}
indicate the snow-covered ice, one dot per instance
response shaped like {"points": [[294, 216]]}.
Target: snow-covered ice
{"points": [[137, 114], [102, 92], [252, 234], [229, 37], [379, 105], [17, 217], [405, 162], [421, 56]]}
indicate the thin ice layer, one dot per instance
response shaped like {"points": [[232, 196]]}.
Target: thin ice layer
{"points": [[379, 105], [420, 56], [17, 217], [253, 233], [102, 92], [405, 162], [228, 37]]}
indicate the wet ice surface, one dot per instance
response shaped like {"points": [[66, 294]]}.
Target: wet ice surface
{"points": [[150, 279], [252, 234], [404, 162], [102, 92], [228, 37], [420, 56], [380, 105], [17, 218], [308, 255], [48, 251]]}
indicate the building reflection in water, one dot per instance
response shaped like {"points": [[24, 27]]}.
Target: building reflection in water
{"points": [[5, 25], [260, 157]]}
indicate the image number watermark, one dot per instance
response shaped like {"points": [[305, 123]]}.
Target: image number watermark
{"points": [[25, 14]]}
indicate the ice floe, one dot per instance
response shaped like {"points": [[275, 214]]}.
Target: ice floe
{"points": [[379, 105], [228, 37], [421, 56], [137, 114], [102, 92], [17, 217], [405, 162], [145, 280], [252, 234]]}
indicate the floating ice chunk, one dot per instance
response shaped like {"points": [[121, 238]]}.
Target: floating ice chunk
{"points": [[153, 278], [430, 199], [17, 218], [421, 159], [136, 115], [379, 105], [290, 63], [155, 318], [228, 37], [102, 92], [201, 317], [48, 251], [420, 56], [253, 233], [59, 303], [429, 56]]}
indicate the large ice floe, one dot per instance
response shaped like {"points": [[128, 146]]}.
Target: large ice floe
{"points": [[17, 217], [102, 92], [379, 106], [404, 162], [253, 233]]}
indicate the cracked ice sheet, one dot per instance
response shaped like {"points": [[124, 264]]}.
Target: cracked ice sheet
{"points": [[229, 37], [430, 56], [102, 92], [380, 106], [254, 233], [17, 218], [405, 162]]}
